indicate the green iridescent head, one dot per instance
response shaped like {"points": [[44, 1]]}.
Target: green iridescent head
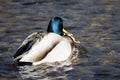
{"points": [[56, 26]]}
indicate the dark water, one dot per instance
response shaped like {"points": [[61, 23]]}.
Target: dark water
{"points": [[94, 22]]}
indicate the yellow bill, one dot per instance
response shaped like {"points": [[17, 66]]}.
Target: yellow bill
{"points": [[64, 31], [71, 35]]}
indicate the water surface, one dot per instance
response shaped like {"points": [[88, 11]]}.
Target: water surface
{"points": [[94, 23]]}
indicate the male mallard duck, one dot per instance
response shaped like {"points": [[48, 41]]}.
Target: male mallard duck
{"points": [[55, 44]]}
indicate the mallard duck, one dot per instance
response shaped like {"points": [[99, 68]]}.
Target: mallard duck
{"points": [[53, 45]]}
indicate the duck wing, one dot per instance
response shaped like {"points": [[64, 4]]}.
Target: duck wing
{"points": [[27, 44]]}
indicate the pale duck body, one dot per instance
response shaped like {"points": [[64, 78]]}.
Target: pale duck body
{"points": [[59, 51], [51, 46]]}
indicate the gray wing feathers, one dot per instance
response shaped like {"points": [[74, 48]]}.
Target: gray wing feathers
{"points": [[28, 43]]}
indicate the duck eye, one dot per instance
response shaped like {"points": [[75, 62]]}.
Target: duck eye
{"points": [[61, 22]]}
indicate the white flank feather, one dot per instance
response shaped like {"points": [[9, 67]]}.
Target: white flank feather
{"points": [[59, 51]]}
